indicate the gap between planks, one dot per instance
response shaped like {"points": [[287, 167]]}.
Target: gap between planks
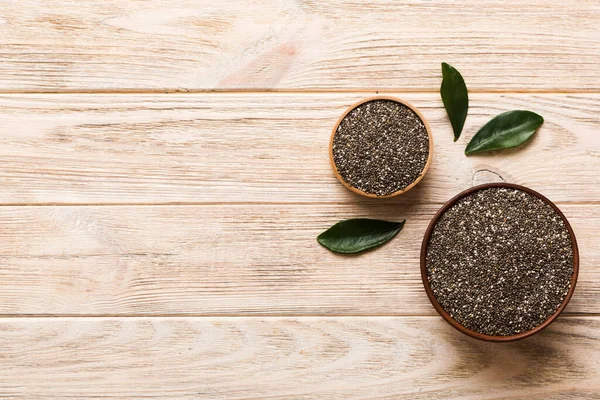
{"points": [[565, 314], [133, 91], [250, 203]]}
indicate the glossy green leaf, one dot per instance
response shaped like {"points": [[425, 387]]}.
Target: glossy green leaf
{"points": [[506, 130], [455, 97], [356, 235]]}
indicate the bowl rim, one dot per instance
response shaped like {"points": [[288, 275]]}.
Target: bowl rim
{"points": [[439, 308], [367, 100]]}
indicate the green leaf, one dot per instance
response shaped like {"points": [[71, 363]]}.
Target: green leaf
{"points": [[455, 97], [359, 234], [506, 130]]}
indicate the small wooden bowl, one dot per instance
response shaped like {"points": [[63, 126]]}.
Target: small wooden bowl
{"points": [[406, 189], [437, 305]]}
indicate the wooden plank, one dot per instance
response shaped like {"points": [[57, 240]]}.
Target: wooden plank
{"points": [[226, 260], [197, 148], [538, 45], [291, 358]]}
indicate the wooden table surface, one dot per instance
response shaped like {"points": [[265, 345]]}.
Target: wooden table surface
{"points": [[164, 174]]}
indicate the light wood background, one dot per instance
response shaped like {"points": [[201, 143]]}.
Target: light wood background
{"points": [[164, 174]]}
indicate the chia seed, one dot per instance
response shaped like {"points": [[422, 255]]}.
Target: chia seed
{"points": [[500, 261], [380, 147]]}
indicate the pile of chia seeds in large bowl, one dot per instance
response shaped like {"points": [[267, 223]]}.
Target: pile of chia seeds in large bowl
{"points": [[500, 261], [380, 147]]}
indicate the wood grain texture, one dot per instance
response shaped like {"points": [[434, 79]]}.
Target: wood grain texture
{"points": [[291, 358], [160, 245], [207, 148], [49, 45], [226, 260]]}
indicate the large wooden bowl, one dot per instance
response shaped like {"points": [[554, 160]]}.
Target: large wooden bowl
{"points": [[437, 305], [396, 193]]}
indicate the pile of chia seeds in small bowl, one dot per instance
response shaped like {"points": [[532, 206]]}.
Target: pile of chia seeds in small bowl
{"points": [[380, 147], [500, 261]]}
